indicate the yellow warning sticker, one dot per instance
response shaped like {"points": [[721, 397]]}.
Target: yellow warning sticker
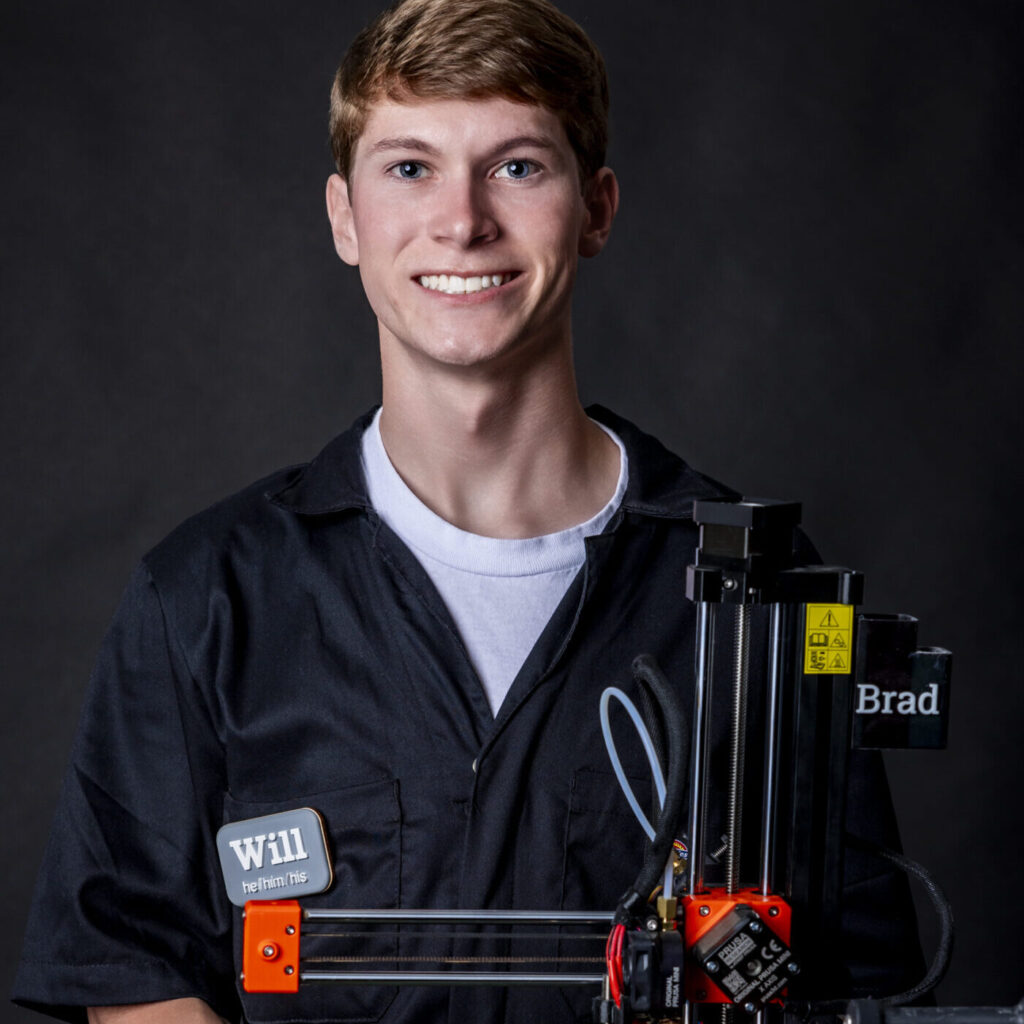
{"points": [[829, 639]]}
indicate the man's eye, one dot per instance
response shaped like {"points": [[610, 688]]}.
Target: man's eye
{"points": [[517, 170], [408, 169]]}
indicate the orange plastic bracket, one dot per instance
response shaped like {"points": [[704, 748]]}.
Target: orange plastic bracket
{"points": [[270, 946], [703, 911]]}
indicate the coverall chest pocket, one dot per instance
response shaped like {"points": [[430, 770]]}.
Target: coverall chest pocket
{"points": [[604, 851], [604, 843], [363, 826]]}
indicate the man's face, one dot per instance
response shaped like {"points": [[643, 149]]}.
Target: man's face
{"points": [[466, 220]]}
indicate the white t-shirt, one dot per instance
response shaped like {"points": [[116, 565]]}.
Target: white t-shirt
{"points": [[500, 592]]}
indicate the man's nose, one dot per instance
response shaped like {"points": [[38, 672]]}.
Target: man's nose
{"points": [[463, 214]]}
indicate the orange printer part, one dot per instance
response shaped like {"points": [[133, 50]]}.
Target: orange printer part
{"points": [[270, 946]]}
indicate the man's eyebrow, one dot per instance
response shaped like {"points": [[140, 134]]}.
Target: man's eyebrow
{"points": [[408, 142], [523, 142], [411, 143]]}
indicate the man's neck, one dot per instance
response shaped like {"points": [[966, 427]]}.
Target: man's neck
{"points": [[501, 455]]}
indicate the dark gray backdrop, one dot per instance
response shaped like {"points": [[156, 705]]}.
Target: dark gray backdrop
{"points": [[813, 291]]}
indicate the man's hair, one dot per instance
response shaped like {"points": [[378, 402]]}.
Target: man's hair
{"points": [[523, 50]]}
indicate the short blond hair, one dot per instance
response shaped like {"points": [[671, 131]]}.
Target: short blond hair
{"points": [[524, 50]]}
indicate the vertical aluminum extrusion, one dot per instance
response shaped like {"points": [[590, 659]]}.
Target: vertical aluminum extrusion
{"points": [[700, 744], [771, 751]]}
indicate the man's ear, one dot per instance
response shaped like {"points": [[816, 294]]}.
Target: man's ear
{"points": [[601, 200], [339, 213]]}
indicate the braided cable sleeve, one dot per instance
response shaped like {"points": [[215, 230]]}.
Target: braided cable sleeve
{"points": [[647, 672], [940, 962]]}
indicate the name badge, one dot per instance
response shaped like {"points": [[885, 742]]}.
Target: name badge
{"points": [[276, 857], [901, 698]]}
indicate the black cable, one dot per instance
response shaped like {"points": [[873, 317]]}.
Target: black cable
{"points": [[654, 720], [648, 675], [940, 962]]}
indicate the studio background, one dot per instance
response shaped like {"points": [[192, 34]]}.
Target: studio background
{"points": [[813, 291]]}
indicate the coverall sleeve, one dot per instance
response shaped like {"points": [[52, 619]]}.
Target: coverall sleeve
{"points": [[128, 905], [880, 941]]}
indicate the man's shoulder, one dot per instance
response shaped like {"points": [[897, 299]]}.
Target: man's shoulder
{"points": [[254, 523], [210, 533]]}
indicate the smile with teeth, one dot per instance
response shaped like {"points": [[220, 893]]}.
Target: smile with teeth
{"points": [[455, 284]]}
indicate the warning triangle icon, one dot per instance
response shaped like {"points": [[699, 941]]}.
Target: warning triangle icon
{"points": [[830, 621], [838, 662], [838, 641]]}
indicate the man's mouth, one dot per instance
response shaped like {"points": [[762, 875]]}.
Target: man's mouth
{"points": [[456, 284]]}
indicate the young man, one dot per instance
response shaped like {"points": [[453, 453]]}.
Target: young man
{"points": [[409, 634]]}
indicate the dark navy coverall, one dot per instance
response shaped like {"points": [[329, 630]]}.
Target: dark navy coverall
{"points": [[285, 649]]}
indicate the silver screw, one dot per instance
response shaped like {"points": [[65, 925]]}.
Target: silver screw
{"points": [[711, 967], [290, 930], [750, 1007], [289, 970], [717, 853], [793, 967], [653, 924], [728, 583], [755, 927], [269, 951], [704, 911], [773, 911]]}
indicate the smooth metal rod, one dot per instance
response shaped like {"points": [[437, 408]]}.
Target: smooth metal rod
{"points": [[700, 744], [737, 748], [465, 916], [450, 978], [771, 752]]}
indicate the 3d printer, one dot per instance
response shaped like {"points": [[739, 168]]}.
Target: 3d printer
{"points": [[679, 945]]}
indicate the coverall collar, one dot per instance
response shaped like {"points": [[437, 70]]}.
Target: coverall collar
{"points": [[660, 483]]}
